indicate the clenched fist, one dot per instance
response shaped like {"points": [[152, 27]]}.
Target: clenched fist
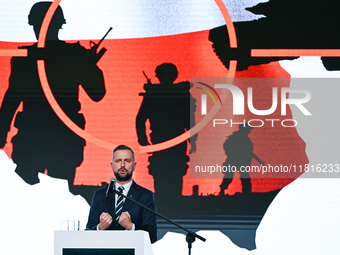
{"points": [[105, 221], [125, 220]]}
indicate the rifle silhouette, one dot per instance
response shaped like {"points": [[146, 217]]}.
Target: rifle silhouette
{"points": [[94, 47], [147, 78], [258, 159]]}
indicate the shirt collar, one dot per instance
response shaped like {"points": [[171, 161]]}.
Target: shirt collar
{"points": [[126, 186]]}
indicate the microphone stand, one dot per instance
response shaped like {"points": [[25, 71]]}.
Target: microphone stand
{"points": [[190, 237]]}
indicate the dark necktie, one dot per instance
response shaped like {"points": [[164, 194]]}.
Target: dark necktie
{"points": [[120, 202]]}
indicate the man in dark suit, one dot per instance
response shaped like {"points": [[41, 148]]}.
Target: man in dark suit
{"points": [[106, 212]]}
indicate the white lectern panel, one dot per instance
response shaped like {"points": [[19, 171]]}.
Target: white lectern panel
{"points": [[82, 240]]}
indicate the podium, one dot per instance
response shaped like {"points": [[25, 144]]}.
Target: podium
{"points": [[102, 243]]}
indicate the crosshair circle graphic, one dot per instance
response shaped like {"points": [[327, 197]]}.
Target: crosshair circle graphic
{"points": [[103, 144]]}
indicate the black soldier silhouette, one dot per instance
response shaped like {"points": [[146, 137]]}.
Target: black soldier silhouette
{"points": [[239, 150], [43, 142], [169, 107]]}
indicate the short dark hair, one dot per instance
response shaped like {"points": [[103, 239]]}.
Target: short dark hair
{"points": [[123, 147]]}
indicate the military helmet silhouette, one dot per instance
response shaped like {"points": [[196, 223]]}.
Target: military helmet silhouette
{"points": [[245, 127], [166, 72], [38, 12]]}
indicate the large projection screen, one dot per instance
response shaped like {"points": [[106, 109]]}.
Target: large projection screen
{"points": [[231, 108]]}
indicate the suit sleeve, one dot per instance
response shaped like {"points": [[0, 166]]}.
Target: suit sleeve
{"points": [[149, 219], [94, 215]]}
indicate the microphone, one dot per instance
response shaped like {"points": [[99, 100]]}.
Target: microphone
{"points": [[111, 186]]}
